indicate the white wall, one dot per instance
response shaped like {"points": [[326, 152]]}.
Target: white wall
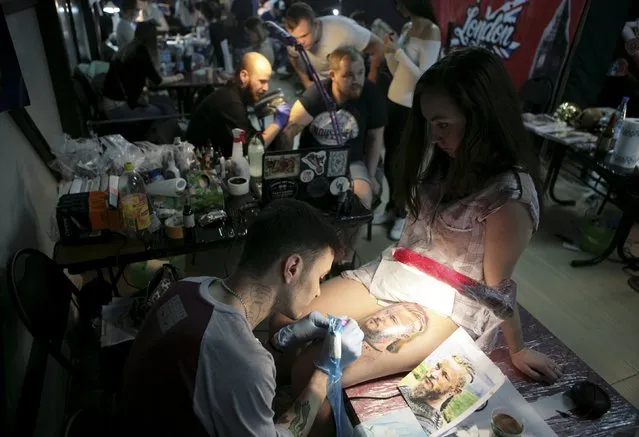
{"points": [[29, 196]]}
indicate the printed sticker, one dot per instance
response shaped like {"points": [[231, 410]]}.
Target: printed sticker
{"points": [[307, 175], [337, 161], [283, 190], [339, 185], [316, 161], [318, 187], [281, 166]]}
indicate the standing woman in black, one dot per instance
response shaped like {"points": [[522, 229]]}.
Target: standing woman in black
{"points": [[407, 57]]}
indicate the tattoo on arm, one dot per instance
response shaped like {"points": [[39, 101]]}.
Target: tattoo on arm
{"points": [[394, 326], [289, 133], [297, 420]]}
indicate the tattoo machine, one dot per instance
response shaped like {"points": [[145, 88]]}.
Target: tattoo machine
{"points": [[334, 393]]}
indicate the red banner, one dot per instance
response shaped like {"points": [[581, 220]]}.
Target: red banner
{"points": [[531, 36]]}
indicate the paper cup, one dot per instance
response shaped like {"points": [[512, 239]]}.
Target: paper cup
{"points": [[174, 227], [626, 153], [504, 424]]}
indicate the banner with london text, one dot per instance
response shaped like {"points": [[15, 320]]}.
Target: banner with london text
{"points": [[532, 37]]}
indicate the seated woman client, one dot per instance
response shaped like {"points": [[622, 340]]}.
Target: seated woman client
{"points": [[470, 186], [124, 93]]}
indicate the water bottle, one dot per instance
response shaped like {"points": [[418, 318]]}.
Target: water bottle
{"points": [[621, 116], [255, 153], [134, 204]]}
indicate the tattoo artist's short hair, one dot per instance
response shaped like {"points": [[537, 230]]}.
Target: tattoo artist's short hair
{"points": [[345, 52], [283, 228], [297, 12]]}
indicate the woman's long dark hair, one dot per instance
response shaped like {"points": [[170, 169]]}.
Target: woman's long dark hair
{"points": [[494, 141], [420, 8]]}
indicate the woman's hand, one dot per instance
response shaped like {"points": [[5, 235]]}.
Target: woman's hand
{"points": [[389, 43], [536, 365]]}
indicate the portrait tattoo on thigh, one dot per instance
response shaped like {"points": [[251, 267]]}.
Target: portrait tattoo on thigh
{"points": [[394, 326]]}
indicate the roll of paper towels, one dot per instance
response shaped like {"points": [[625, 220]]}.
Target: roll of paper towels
{"points": [[626, 154], [168, 188]]}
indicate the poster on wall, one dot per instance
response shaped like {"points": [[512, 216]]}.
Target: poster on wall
{"points": [[13, 91], [532, 37]]}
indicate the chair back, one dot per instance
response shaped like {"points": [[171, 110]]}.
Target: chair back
{"points": [[536, 95], [41, 295]]}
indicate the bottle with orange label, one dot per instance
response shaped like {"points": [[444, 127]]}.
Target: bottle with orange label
{"points": [[134, 204]]}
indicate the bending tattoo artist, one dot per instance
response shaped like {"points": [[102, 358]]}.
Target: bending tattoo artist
{"points": [[195, 368], [472, 196]]}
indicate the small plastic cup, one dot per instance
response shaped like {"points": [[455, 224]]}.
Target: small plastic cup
{"points": [[504, 424]]}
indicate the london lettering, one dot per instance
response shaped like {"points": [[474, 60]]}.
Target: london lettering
{"points": [[493, 31]]}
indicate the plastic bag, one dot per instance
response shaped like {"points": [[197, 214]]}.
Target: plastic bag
{"points": [[78, 158], [118, 151], [334, 393]]}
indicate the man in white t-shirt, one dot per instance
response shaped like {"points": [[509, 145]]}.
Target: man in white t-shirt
{"points": [[196, 369], [320, 36]]}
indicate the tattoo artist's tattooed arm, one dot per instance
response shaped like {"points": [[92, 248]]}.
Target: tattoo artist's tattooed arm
{"points": [[300, 417], [392, 327]]}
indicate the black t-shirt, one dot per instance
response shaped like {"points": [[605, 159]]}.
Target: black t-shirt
{"points": [[216, 116], [355, 118], [128, 74]]}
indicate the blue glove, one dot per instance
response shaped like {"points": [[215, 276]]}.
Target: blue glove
{"points": [[311, 327], [282, 113], [351, 347]]}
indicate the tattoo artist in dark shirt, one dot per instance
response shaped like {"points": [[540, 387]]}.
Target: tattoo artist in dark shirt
{"points": [[124, 93], [225, 109]]}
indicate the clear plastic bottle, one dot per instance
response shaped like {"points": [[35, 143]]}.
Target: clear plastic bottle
{"points": [[134, 204], [621, 116], [255, 153], [242, 167]]}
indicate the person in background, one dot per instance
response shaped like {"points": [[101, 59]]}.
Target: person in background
{"points": [[259, 40], [211, 13], [241, 10], [149, 11], [125, 30], [361, 115], [407, 57], [196, 368], [320, 36], [360, 17], [107, 51], [470, 182], [125, 94], [225, 109], [623, 77], [185, 12]]}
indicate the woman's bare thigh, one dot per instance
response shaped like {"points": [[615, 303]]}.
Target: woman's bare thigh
{"points": [[338, 297], [388, 348]]}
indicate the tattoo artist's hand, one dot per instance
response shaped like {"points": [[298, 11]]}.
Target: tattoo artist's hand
{"points": [[282, 113], [536, 365], [311, 327], [352, 338]]}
